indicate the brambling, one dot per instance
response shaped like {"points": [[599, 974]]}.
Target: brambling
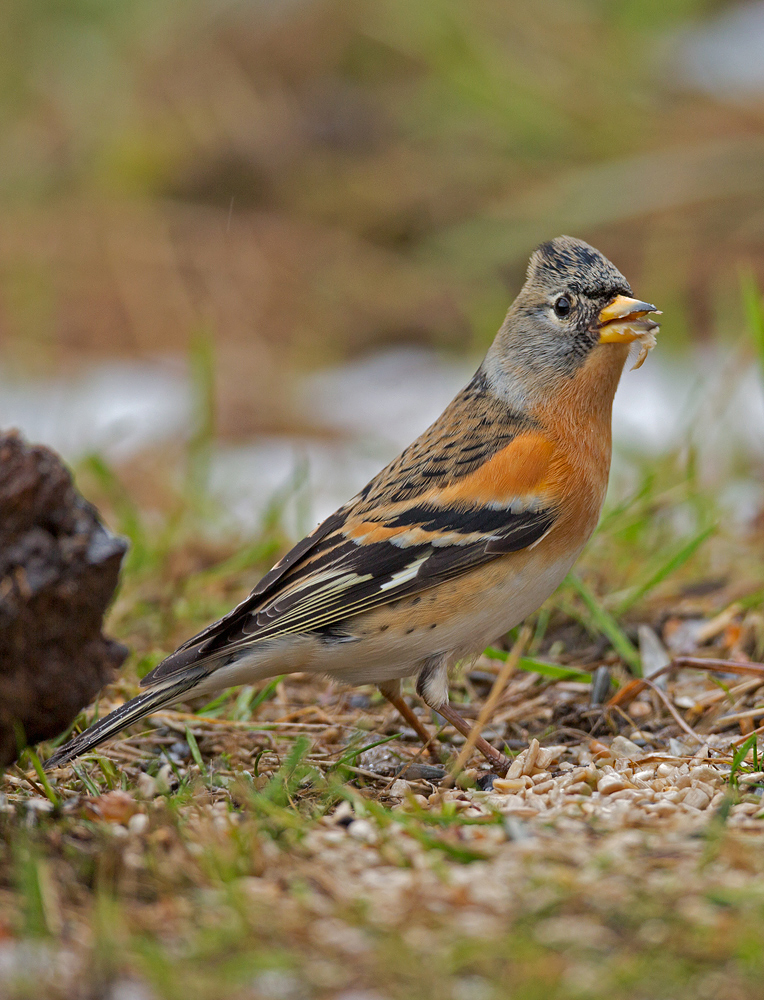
{"points": [[461, 536]]}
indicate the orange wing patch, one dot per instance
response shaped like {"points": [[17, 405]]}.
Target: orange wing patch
{"points": [[372, 531], [522, 469]]}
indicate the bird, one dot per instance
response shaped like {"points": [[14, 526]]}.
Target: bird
{"points": [[460, 537]]}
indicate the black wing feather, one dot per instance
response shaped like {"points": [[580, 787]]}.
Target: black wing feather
{"points": [[335, 578]]}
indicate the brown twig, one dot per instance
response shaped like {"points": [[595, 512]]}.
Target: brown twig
{"points": [[30, 781], [507, 669], [626, 716], [677, 717], [729, 720], [629, 691], [722, 666], [747, 736]]}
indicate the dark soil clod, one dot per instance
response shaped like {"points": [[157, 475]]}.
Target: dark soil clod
{"points": [[59, 568]]}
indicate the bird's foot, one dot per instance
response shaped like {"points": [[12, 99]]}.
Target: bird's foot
{"points": [[495, 758]]}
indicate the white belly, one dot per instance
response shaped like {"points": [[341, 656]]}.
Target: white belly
{"points": [[508, 605], [394, 654]]}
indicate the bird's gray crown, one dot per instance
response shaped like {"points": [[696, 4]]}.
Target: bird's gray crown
{"points": [[579, 266]]}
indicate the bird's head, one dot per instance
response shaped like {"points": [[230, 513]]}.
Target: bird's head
{"points": [[574, 305]]}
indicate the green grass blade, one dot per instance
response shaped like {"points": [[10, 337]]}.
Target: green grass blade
{"points": [[42, 777], [212, 708], [109, 771], [740, 754], [284, 782], [603, 622], [245, 705], [193, 746], [86, 780], [351, 755], [673, 563], [265, 694], [754, 313], [551, 670]]}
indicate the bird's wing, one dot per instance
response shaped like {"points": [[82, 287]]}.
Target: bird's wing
{"points": [[453, 500]]}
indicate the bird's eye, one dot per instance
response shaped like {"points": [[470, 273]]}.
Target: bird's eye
{"points": [[562, 306]]}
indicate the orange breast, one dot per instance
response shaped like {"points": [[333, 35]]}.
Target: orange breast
{"points": [[521, 470]]}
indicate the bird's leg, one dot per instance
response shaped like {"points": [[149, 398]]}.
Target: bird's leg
{"points": [[392, 691], [432, 687], [495, 758]]}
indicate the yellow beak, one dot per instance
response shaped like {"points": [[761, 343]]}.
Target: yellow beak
{"points": [[623, 320]]}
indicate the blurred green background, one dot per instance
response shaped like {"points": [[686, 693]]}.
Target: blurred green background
{"points": [[310, 180]]}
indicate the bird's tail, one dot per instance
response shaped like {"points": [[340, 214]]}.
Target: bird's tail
{"points": [[126, 714]]}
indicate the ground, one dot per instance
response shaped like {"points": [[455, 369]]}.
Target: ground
{"points": [[292, 840]]}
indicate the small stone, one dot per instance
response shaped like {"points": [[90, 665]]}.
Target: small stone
{"points": [[697, 798], [138, 823], [578, 788], [467, 779], [640, 709], [746, 779], [646, 775], [361, 829], [515, 829], [705, 772], [485, 781], [600, 685], [653, 654], [146, 786], [399, 789], [415, 771], [549, 755], [610, 783], [625, 793], [543, 786], [164, 779], [621, 747], [507, 785]]}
